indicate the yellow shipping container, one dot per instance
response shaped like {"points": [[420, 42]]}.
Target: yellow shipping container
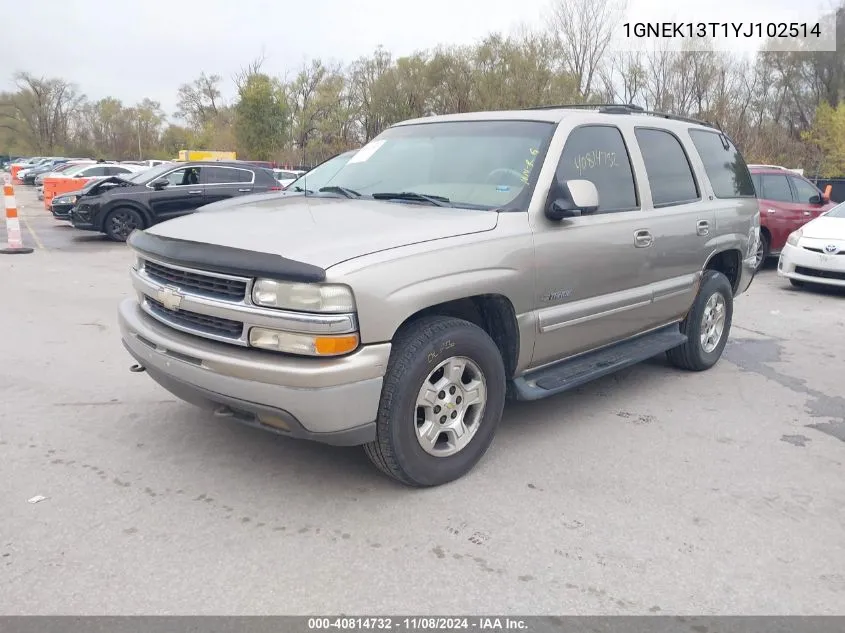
{"points": [[193, 154]]}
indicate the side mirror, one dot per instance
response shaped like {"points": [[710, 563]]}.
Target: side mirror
{"points": [[571, 199], [158, 185]]}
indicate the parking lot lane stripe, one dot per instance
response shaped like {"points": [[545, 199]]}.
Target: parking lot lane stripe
{"points": [[34, 235]]}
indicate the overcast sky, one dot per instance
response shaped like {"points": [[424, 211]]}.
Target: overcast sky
{"points": [[133, 49]]}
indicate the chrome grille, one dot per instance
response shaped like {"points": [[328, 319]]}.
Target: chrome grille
{"points": [[205, 285], [200, 323], [816, 249]]}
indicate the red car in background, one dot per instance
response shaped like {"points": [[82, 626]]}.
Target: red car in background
{"points": [[787, 202]]}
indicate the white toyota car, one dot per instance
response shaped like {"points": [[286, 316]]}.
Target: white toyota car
{"points": [[815, 253]]}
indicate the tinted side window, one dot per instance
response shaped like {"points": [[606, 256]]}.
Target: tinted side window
{"points": [[758, 187], [597, 153], [226, 175], [776, 187], [667, 167], [803, 190], [725, 168], [93, 172]]}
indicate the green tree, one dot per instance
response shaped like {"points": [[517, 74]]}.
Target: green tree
{"points": [[828, 136], [261, 116]]}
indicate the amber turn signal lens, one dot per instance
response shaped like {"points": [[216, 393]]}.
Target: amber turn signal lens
{"points": [[335, 345]]}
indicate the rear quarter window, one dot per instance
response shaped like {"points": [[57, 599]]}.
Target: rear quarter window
{"points": [[724, 166]]}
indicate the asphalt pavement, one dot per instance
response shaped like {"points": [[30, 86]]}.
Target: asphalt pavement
{"points": [[653, 491]]}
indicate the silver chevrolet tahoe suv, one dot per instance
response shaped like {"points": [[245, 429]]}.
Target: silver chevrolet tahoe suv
{"points": [[454, 262]]}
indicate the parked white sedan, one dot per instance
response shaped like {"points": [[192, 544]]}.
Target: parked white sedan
{"points": [[815, 253]]}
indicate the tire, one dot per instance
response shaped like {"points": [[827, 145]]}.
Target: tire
{"points": [[797, 283], [763, 251], [694, 355], [419, 349], [120, 222]]}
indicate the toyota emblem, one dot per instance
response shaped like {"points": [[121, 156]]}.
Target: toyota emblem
{"points": [[830, 248]]}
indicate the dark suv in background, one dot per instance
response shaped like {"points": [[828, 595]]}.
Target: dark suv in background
{"points": [[117, 206]]}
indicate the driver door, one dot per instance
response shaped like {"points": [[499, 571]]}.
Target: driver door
{"points": [[184, 194], [592, 271]]}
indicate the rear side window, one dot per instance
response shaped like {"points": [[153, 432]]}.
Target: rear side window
{"points": [[226, 175], [725, 168], [597, 153], [775, 187], [93, 172], [667, 167]]}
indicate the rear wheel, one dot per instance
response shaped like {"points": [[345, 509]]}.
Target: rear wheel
{"points": [[763, 250], [707, 325], [442, 400], [120, 222]]}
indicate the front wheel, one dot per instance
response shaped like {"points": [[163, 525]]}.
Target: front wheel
{"points": [[442, 399], [707, 324], [120, 222]]}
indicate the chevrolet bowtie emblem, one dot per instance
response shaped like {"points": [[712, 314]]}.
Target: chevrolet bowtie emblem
{"points": [[170, 298]]}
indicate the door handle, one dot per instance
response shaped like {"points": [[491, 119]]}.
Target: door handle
{"points": [[807, 213], [193, 193], [702, 227], [244, 190], [643, 239], [771, 211]]}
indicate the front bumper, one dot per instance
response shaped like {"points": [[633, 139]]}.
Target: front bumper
{"points": [[81, 219], [61, 211], [810, 266], [334, 401]]}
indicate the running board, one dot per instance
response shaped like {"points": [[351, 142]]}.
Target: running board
{"points": [[574, 372]]}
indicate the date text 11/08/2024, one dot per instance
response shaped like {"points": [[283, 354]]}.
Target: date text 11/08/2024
{"points": [[424, 623], [722, 29]]}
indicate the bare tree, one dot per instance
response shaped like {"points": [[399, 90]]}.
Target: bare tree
{"points": [[583, 30], [41, 111]]}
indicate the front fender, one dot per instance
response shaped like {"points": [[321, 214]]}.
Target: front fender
{"points": [[391, 286]]}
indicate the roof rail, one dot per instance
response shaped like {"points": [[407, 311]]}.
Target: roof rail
{"points": [[625, 108], [769, 166]]}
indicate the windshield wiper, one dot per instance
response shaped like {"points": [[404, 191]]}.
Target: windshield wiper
{"points": [[437, 201], [349, 193]]}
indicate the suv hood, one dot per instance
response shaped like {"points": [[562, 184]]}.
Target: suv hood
{"points": [[325, 231], [252, 198]]}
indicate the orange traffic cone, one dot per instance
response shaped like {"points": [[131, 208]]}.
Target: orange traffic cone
{"points": [[14, 242]]}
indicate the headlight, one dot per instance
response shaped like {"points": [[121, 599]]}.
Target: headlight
{"points": [[302, 344], [303, 297], [67, 200], [793, 238]]}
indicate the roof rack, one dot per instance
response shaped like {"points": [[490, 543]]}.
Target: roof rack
{"points": [[625, 108]]}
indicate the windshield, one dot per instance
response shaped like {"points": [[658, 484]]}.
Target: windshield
{"points": [[837, 212], [72, 171], [477, 164], [139, 176], [147, 175], [316, 178]]}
